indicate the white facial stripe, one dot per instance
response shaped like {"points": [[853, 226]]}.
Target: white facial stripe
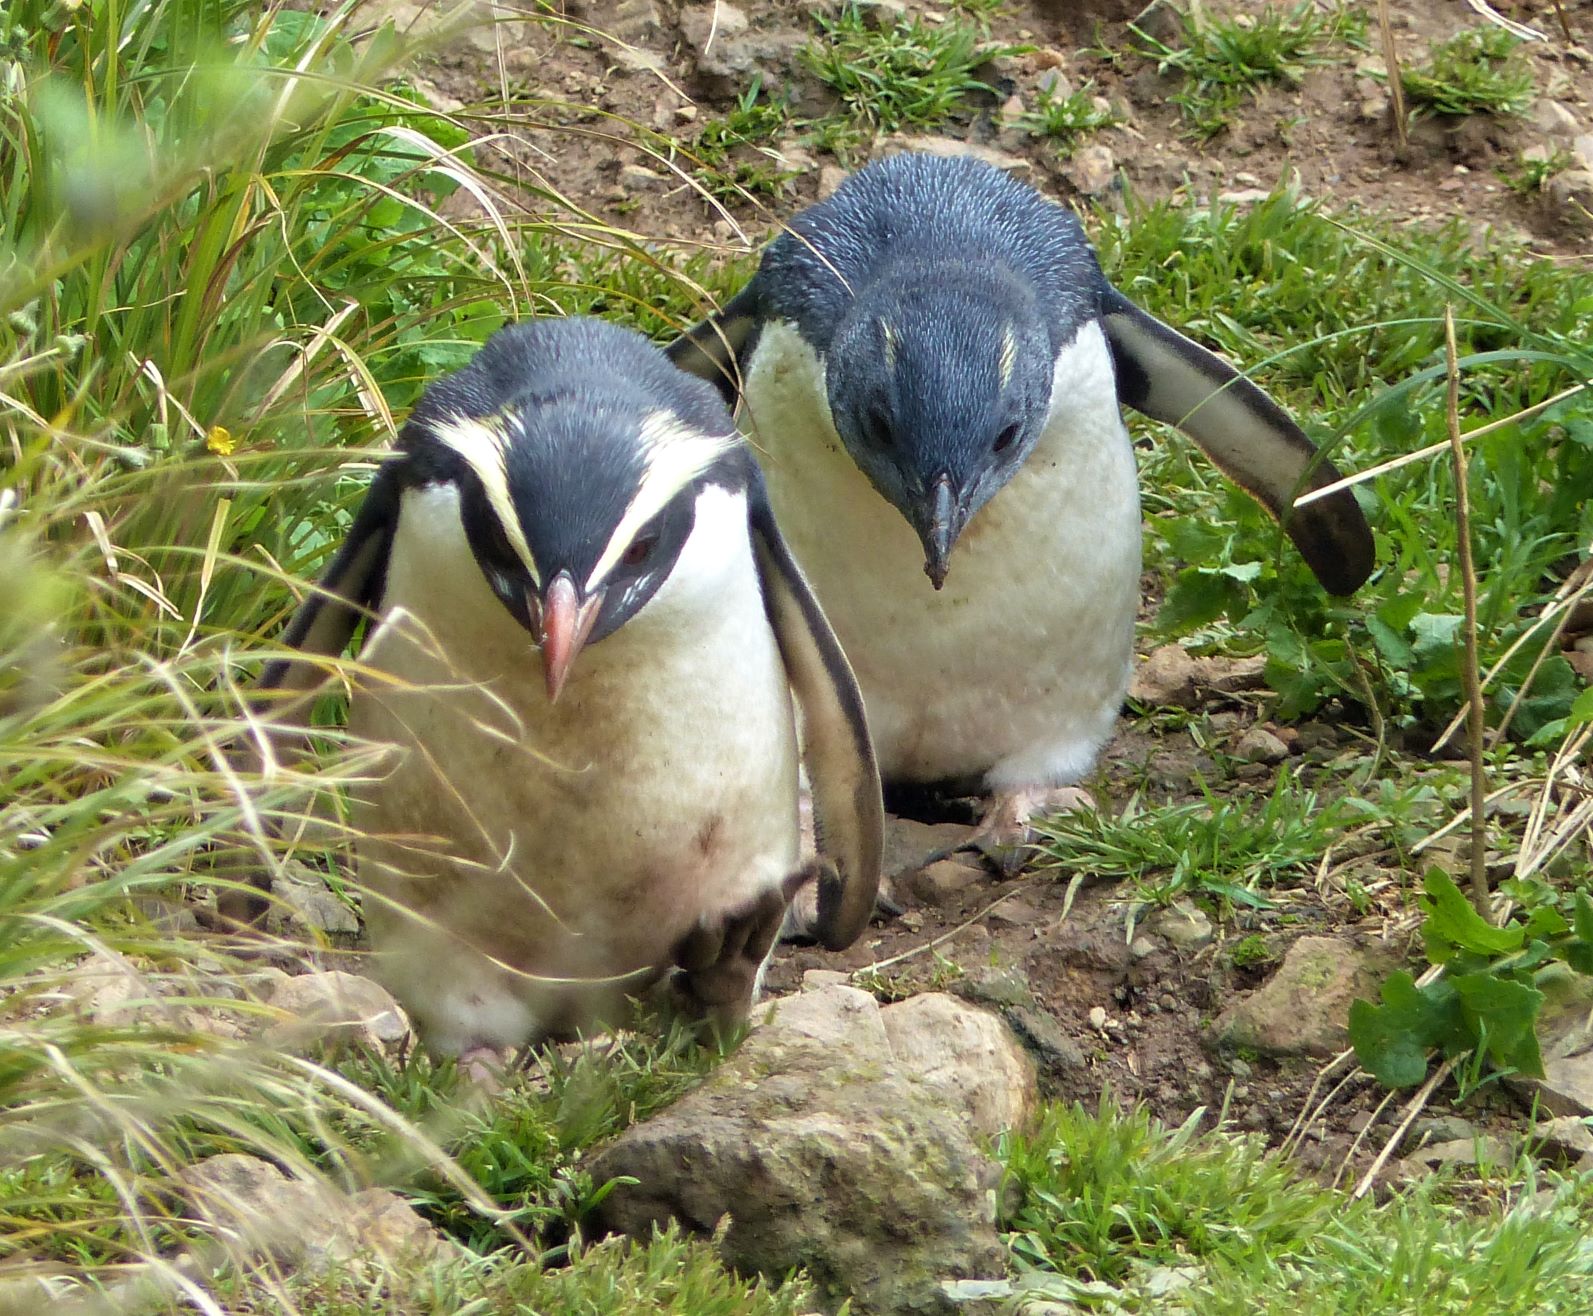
{"points": [[888, 336], [673, 455], [482, 444], [1009, 354]]}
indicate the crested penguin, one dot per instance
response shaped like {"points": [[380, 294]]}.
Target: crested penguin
{"points": [[585, 635], [931, 359]]}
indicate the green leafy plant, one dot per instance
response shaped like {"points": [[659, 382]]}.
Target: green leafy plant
{"points": [[908, 74], [1485, 1003], [1473, 72], [1533, 172], [754, 119], [1225, 59], [1065, 119]]}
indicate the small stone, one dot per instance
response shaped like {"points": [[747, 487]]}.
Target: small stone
{"points": [[1582, 151], [909, 842], [1172, 677], [1239, 1068], [944, 881], [1258, 745], [304, 1223], [1098, 1018], [1466, 1151], [1554, 120], [935, 145], [1142, 948], [701, 25], [635, 176], [316, 907], [1046, 58], [1055, 84], [335, 1007], [818, 979], [1566, 1139], [1571, 190], [1092, 170], [1002, 987], [1443, 1128], [1012, 111], [1043, 1034], [1304, 1007], [686, 113], [1183, 924], [1244, 196], [830, 178]]}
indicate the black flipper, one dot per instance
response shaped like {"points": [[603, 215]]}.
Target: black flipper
{"points": [[848, 811], [1248, 435], [716, 349], [324, 624]]}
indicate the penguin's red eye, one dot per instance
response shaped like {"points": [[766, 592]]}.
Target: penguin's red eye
{"points": [[640, 550], [1005, 439]]}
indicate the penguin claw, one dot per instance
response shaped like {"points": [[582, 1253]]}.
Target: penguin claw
{"points": [[1004, 837]]}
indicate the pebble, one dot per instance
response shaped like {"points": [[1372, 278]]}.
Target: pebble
{"points": [[1098, 1018]]}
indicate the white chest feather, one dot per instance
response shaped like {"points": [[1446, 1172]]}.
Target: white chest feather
{"points": [[1013, 672], [527, 862]]}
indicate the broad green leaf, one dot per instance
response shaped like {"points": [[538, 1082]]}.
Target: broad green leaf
{"points": [[1503, 1014], [1392, 1040], [1452, 924], [1582, 707]]}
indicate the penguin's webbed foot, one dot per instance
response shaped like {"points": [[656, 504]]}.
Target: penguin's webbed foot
{"points": [[1004, 836]]}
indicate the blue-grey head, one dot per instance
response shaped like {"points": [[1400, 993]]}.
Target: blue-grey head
{"points": [[939, 384], [938, 292], [578, 451]]}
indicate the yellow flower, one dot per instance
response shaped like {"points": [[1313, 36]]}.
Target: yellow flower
{"points": [[220, 441]]}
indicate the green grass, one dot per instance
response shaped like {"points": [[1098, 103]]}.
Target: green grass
{"points": [[910, 74], [1065, 119], [1228, 847], [1474, 72], [729, 146], [1225, 60], [1117, 1213], [1363, 372]]}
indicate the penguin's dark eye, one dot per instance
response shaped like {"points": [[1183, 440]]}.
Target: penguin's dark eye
{"points": [[640, 550], [1005, 439], [877, 427]]}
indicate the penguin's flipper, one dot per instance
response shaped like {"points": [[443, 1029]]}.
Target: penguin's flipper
{"points": [[848, 809], [716, 348], [346, 592], [1249, 436], [322, 627]]}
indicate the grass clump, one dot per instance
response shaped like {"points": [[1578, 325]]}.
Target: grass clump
{"points": [[1473, 72], [1066, 119], [1224, 60], [1116, 1212], [910, 74], [1222, 846], [731, 147], [1249, 283]]}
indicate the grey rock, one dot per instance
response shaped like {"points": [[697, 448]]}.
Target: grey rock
{"points": [[1092, 170], [909, 843], [1463, 1151], [1043, 1034], [814, 980], [830, 1148], [1172, 677], [1304, 1007], [936, 145], [315, 906], [703, 26], [1554, 120], [1443, 1128], [304, 1223], [1184, 925], [830, 178], [1565, 1139], [999, 987], [1582, 151], [944, 882], [335, 1007], [1258, 745]]}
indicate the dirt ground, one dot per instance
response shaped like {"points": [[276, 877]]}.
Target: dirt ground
{"points": [[1111, 1010]]}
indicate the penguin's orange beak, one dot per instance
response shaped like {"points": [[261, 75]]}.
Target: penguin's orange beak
{"points": [[564, 621]]}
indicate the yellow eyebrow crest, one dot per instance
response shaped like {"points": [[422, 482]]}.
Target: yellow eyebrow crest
{"points": [[483, 444]]}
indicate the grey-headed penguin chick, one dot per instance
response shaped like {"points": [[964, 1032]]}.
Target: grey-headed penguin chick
{"points": [[932, 364], [586, 637]]}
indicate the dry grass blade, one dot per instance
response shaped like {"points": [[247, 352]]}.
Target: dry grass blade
{"points": [[1396, 88]]}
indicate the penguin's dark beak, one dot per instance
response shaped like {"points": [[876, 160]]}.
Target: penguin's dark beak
{"points": [[941, 526], [563, 621]]}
